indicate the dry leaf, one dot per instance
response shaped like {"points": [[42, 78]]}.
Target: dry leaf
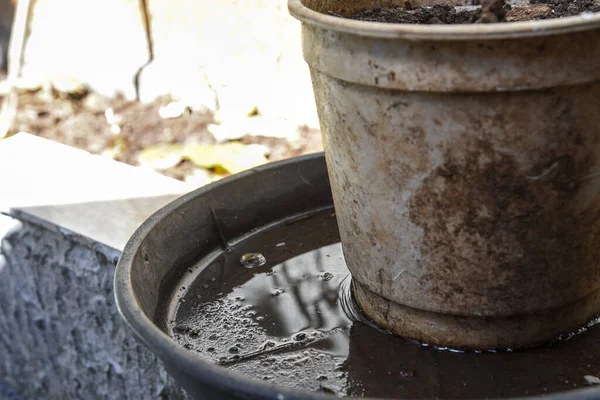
{"points": [[232, 157], [162, 156], [255, 126], [174, 109], [227, 158]]}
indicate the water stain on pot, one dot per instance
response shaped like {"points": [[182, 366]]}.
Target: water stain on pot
{"points": [[312, 337]]}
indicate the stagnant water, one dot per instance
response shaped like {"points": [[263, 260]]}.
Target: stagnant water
{"points": [[276, 306]]}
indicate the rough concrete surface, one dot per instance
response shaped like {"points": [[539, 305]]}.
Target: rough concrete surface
{"points": [[62, 336]]}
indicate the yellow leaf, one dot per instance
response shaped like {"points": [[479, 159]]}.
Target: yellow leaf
{"points": [[233, 157], [162, 156]]}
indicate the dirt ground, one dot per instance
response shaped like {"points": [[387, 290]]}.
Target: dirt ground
{"points": [[128, 127]]}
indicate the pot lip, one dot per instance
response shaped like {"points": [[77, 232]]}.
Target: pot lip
{"points": [[162, 345], [512, 30], [165, 348]]}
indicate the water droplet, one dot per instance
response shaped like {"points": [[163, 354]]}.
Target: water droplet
{"points": [[277, 292], [280, 244], [407, 374], [234, 350], [326, 276], [253, 260], [270, 344], [210, 349], [300, 336], [260, 318]]}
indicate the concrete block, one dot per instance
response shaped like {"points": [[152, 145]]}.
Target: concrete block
{"points": [[61, 335]]}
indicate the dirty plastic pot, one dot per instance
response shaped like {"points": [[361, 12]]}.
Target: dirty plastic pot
{"points": [[464, 164]]}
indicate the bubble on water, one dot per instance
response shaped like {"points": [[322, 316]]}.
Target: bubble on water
{"points": [[234, 350], [300, 336], [407, 374], [253, 260], [277, 292], [210, 349], [326, 276]]}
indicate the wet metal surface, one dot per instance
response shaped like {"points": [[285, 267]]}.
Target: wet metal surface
{"points": [[291, 322]]}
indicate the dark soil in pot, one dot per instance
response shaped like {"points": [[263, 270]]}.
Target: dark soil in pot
{"points": [[490, 11]]}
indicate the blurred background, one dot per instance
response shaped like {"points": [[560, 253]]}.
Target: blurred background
{"points": [[195, 90]]}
